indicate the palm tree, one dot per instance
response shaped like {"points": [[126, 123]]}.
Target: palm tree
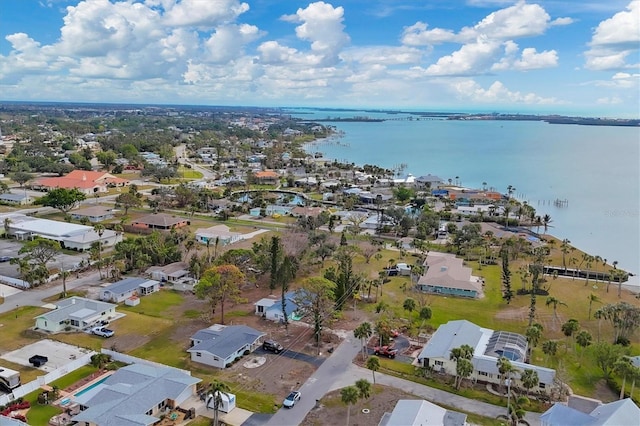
{"points": [[635, 375], [363, 332], [464, 352], [364, 388], [592, 298], [550, 348], [555, 302], [533, 335], [583, 339], [623, 367], [569, 328], [216, 389], [349, 396], [546, 220], [373, 364], [529, 379]]}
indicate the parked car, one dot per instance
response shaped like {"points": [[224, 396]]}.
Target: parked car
{"points": [[387, 351], [5, 258], [102, 331], [291, 399], [273, 346]]}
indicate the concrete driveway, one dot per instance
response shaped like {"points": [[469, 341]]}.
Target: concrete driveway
{"points": [[59, 354]]}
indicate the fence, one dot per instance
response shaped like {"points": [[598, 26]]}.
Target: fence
{"points": [[27, 388], [14, 282], [128, 359]]}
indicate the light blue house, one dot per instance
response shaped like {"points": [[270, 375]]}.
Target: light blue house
{"points": [[445, 275]]}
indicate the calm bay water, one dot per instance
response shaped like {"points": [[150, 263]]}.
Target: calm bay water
{"points": [[596, 169]]}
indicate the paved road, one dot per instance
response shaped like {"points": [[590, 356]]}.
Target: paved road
{"points": [[314, 388], [34, 297]]}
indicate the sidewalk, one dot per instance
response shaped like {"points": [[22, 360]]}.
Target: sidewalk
{"points": [[436, 396]]}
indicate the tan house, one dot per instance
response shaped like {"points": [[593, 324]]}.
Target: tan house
{"points": [[267, 177], [160, 221]]}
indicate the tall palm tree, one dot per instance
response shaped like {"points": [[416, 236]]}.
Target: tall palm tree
{"points": [[216, 389], [349, 396], [623, 367], [546, 220], [555, 302], [363, 332], [592, 299], [373, 364]]}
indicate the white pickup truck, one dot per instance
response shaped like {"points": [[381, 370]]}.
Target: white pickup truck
{"points": [[102, 331]]}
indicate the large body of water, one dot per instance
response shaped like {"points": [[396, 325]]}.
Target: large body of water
{"points": [[595, 168]]}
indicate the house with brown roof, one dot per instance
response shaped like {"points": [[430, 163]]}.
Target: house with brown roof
{"points": [[95, 214], [85, 181], [446, 275], [303, 211], [267, 177], [160, 221]]}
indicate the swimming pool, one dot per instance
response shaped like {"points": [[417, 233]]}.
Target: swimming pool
{"points": [[91, 386]]}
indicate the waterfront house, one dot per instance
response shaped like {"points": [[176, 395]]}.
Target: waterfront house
{"points": [[488, 346], [77, 313], [445, 275], [429, 182], [221, 345]]}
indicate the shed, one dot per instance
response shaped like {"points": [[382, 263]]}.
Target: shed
{"points": [[227, 403]]}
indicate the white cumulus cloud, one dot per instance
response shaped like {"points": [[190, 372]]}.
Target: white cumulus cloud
{"points": [[615, 40]]}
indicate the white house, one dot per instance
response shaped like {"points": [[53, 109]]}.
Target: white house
{"points": [[219, 233], [128, 287], [172, 272], [488, 346], [262, 305], [70, 235], [617, 413], [135, 395], [417, 412], [76, 313], [221, 345]]}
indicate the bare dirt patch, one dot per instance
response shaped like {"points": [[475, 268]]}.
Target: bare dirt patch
{"points": [[332, 411]]}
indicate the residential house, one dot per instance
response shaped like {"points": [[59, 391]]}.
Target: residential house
{"points": [[221, 345], [262, 305], [70, 235], [218, 234], [15, 199], [429, 182], [95, 214], [135, 395], [617, 413], [172, 272], [274, 312], [267, 177], [85, 181], [76, 313], [160, 221], [488, 346], [417, 412], [444, 274], [300, 211], [128, 287]]}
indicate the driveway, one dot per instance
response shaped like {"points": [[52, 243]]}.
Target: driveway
{"points": [[313, 360]]}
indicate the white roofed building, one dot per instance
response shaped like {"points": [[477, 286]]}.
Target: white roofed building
{"points": [[488, 346]]}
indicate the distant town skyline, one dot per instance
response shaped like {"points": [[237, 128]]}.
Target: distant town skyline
{"points": [[546, 57]]}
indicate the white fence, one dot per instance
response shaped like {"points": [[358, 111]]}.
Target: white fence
{"points": [[128, 359], [14, 282], [46, 379]]}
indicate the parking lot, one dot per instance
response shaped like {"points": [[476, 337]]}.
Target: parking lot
{"points": [[10, 249], [59, 354]]}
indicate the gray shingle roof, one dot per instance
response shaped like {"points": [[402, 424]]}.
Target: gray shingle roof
{"points": [[451, 335], [77, 307], [129, 284], [223, 342], [130, 392]]}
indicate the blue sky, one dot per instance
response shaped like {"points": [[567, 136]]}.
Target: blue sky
{"points": [[575, 57]]}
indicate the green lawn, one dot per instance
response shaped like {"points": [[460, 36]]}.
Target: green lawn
{"points": [[186, 173], [157, 304], [14, 323]]}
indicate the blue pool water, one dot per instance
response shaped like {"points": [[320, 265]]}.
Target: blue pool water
{"points": [[91, 386]]}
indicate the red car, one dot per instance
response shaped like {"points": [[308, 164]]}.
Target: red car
{"points": [[387, 351]]}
